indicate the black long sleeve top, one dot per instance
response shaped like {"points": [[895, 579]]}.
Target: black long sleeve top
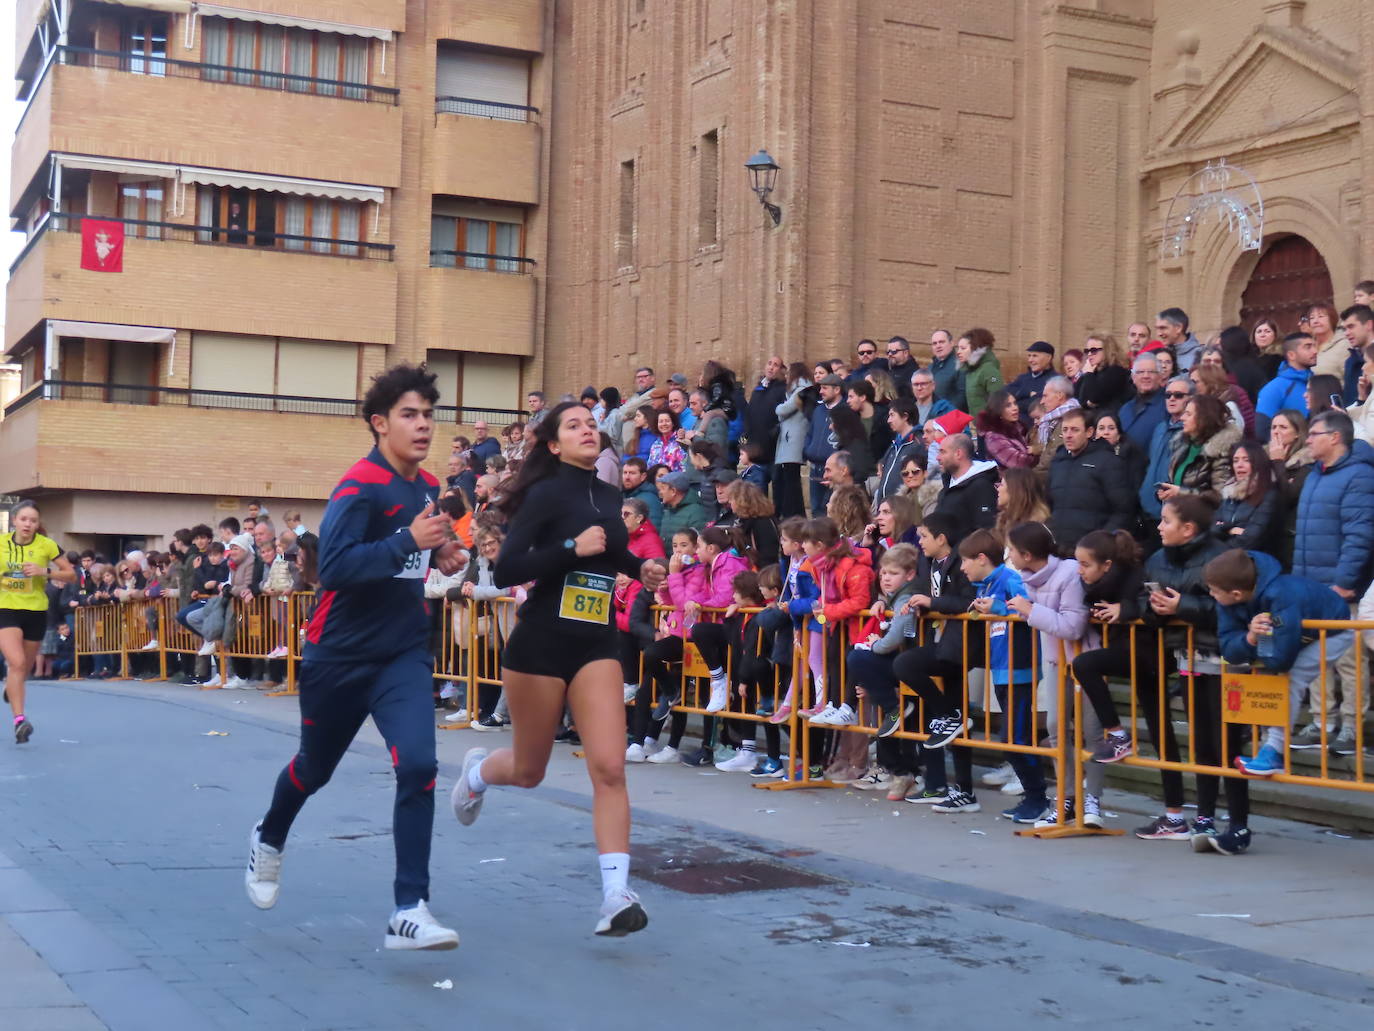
{"points": [[554, 512]]}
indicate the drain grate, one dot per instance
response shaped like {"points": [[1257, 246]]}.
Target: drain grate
{"points": [[701, 869]]}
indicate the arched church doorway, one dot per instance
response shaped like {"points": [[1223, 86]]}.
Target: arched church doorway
{"points": [[1289, 278]]}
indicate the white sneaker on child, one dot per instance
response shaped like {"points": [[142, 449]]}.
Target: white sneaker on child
{"points": [[666, 754], [823, 717], [635, 754], [151, 646], [208, 648], [630, 691], [720, 695], [743, 761], [1013, 786], [844, 716], [995, 778]]}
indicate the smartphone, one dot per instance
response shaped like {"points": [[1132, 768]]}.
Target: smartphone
{"points": [[1152, 587], [1336, 401]]}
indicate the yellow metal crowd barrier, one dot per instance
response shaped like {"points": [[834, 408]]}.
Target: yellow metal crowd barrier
{"points": [[471, 635]]}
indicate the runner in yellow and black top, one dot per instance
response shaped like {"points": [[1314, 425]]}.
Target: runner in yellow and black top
{"points": [[27, 561]]}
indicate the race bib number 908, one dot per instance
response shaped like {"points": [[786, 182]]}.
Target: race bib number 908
{"points": [[586, 598]]}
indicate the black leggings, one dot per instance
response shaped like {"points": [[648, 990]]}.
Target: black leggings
{"points": [[787, 490], [722, 642], [658, 656], [1092, 669], [1207, 732], [916, 667]]}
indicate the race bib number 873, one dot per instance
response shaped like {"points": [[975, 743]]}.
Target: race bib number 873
{"points": [[586, 598]]}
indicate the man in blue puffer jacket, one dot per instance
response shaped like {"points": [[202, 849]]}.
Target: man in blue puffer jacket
{"points": [[1289, 388], [1334, 545]]}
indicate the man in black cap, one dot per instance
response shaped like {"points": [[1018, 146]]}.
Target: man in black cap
{"points": [[820, 440], [1027, 387]]}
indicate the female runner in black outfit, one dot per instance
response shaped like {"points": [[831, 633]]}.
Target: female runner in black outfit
{"points": [[567, 536]]}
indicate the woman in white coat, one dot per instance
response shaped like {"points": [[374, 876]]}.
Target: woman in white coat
{"points": [[794, 414]]}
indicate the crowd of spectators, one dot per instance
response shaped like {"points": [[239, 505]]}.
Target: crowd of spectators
{"points": [[1091, 487]]}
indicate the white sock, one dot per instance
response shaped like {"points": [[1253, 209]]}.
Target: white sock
{"points": [[718, 673], [475, 781], [615, 871], [749, 746]]}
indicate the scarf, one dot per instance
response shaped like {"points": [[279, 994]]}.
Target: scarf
{"points": [[1045, 427]]}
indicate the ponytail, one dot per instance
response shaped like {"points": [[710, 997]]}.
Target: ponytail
{"points": [[1119, 548]]}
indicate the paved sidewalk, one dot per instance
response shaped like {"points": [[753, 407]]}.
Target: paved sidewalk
{"points": [[131, 824]]}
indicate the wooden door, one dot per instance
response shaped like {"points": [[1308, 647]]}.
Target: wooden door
{"points": [[1288, 279]]}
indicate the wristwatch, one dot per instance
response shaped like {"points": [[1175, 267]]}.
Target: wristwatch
{"points": [[570, 544]]}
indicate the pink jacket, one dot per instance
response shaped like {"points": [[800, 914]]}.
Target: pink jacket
{"points": [[679, 588], [714, 590]]}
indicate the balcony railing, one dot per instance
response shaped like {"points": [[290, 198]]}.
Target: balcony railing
{"points": [[491, 109], [129, 394], [142, 229], [140, 63], [476, 260]]}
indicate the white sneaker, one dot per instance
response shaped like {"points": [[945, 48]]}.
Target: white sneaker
{"points": [[1092, 812], [621, 914], [824, 717], [743, 761], [635, 754], [1013, 786], [666, 754], [466, 802], [277, 653], [208, 648], [262, 877], [630, 691], [416, 928], [212, 682], [236, 684], [151, 646], [844, 716], [996, 778], [461, 716], [720, 694]]}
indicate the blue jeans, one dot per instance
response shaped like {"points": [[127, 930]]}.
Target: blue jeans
{"points": [[1303, 674], [185, 612], [1019, 729]]}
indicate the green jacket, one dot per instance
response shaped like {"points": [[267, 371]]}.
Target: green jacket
{"points": [[687, 513], [981, 377]]}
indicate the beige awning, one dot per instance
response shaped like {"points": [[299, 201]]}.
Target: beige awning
{"points": [[224, 177], [170, 6], [142, 169], [312, 24], [113, 331], [282, 184]]}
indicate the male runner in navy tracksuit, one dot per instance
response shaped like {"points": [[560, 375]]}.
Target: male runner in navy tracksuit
{"points": [[366, 648]]}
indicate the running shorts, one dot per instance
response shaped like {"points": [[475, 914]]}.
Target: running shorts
{"points": [[33, 622], [553, 653]]}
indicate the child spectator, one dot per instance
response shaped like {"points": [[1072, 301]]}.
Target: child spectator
{"points": [[1055, 606], [665, 650], [1177, 592], [736, 641], [64, 654], [942, 589], [869, 666], [1260, 612], [493, 622], [1010, 662], [713, 589], [752, 469], [844, 578], [780, 620]]}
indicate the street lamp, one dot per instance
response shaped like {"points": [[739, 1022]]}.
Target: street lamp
{"points": [[763, 176]]}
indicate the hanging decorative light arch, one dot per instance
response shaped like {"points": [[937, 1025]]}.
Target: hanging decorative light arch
{"points": [[1229, 191]]}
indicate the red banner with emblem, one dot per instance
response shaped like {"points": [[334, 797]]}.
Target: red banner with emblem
{"points": [[102, 245]]}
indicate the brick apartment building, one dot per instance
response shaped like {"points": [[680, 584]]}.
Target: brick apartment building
{"points": [[309, 191], [546, 193]]}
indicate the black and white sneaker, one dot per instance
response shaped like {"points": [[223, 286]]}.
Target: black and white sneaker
{"points": [[262, 878], [621, 914], [23, 730], [944, 729], [416, 928], [957, 801], [665, 704], [492, 722], [892, 720]]}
